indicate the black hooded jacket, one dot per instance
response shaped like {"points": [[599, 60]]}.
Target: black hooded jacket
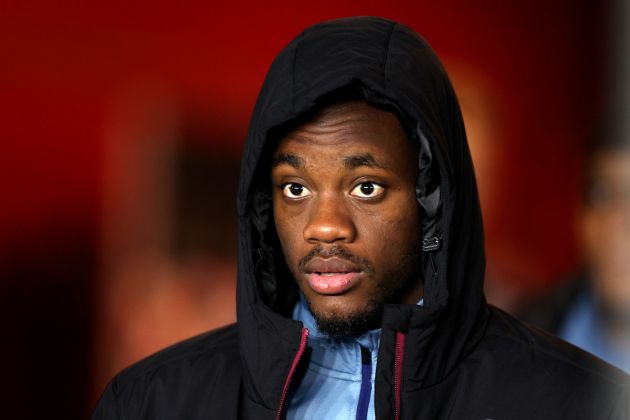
{"points": [[453, 358]]}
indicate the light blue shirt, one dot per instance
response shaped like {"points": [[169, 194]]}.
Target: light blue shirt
{"points": [[584, 328], [331, 386]]}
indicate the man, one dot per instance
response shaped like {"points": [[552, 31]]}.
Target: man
{"points": [[361, 262], [593, 310]]}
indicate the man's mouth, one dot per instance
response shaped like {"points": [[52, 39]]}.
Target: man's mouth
{"points": [[331, 276]]}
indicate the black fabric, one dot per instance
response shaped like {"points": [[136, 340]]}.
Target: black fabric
{"points": [[463, 359]]}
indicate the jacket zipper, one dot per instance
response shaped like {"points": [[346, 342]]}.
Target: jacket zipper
{"points": [[294, 364], [400, 350], [366, 384]]}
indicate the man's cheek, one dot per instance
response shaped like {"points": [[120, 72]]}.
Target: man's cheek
{"points": [[290, 251]]}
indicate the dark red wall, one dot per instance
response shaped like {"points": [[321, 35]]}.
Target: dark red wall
{"points": [[64, 62]]}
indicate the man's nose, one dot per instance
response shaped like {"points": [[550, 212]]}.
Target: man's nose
{"points": [[329, 221]]}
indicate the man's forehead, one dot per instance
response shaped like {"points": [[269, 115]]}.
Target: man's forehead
{"points": [[349, 161], [353, 122], [330, 115], [361, 109]]}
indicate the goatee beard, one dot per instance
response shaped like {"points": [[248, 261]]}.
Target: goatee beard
{"points": [[357, 323], [351, 325]]}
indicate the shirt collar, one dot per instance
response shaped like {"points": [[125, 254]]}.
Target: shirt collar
{"points": [[302, 313]]}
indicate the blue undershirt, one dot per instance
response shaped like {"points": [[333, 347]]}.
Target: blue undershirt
{"points": [[584, 327], [335, 385]]}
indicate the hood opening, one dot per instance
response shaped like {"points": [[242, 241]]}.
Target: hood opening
{"points": [[386, 64], [274, 282]]}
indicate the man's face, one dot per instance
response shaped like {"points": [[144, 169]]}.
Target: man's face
{"points": [[347, 217], [605, 227]]}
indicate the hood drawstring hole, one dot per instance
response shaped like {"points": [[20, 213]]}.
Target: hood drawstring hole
{"points": [[431, 244]]}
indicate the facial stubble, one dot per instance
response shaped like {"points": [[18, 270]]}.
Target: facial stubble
{"points": [[394, 284]]}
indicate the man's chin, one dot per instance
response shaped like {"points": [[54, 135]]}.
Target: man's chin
{"points": [[348, 324]]}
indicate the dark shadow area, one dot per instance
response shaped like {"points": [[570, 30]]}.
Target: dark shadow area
{"points": [[46, 317], [204, 217]]}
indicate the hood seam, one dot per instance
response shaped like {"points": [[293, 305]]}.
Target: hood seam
{"points": [[294, 65], [386, 54]]}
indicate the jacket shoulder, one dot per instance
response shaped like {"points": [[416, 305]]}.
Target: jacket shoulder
{"points": [[550, 350], [168, 384], [204, 348], [537, 365]]}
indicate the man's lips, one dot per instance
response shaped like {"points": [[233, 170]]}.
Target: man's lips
{"points": [[330, 265], [331, 276]]}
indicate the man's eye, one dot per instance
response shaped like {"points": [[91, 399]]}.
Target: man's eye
{"points": [[293, 190], [367, 190]]}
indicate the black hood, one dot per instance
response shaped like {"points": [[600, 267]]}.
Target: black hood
{"points": [[387, 64]]}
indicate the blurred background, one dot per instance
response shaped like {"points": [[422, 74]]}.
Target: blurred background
{"points": [[122, 125]]}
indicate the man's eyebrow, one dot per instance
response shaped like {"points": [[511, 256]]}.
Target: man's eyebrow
{"points": [[292, 160], [355, 161]]}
